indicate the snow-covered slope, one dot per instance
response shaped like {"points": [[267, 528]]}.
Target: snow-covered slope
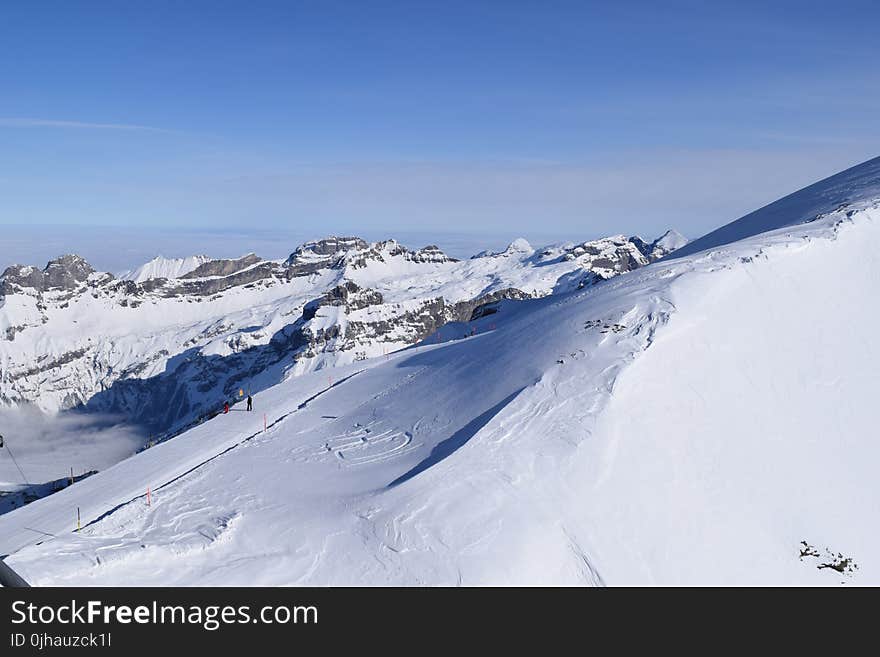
{"points": [[851, 189], [706, 419], [160, 267], [170, 342], [670, 241]]}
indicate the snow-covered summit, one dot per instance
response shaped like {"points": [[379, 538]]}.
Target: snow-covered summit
{"points": [[670, 241], [65, 273], [161, 267], [324, 250], [519, 245], [516, 248]]}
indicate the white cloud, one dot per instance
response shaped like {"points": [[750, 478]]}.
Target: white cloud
{"points": [[10, 122], [47, 447]]}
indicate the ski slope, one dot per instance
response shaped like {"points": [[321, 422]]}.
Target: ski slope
{"points": [[690, 422]]}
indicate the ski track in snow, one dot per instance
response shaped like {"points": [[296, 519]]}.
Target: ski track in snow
{"points": [[369, 446], [278, 420], [561, 468], [364, 444]]}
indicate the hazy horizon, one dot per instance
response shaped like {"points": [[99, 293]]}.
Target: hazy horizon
{"points": [[576, 119], [117, 249]]}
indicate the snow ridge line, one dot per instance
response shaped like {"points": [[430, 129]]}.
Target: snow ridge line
{"points": [[301, 406]]}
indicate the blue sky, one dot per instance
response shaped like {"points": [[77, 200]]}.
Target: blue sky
{"points": [[569, 119]]}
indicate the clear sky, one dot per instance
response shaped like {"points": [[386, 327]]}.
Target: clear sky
{"points": [[536, 118]]}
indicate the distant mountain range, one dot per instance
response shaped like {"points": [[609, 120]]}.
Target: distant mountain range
{"points": [[167, 342], [575, 415]]}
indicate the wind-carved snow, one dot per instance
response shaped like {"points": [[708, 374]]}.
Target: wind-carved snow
{"points": [[698, 420]]}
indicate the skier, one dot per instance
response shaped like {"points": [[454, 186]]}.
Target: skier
{"points": [[225, 407], [250, 405]]}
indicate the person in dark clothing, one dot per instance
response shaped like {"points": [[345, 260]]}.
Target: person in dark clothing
{"points": [[250, 405], [226, 407]]}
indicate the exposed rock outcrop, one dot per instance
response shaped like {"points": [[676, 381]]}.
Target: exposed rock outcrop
{"points": [[163, 350]]}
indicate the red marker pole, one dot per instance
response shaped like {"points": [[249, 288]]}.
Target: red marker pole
{"points": [[148, 497], [264, 421]]}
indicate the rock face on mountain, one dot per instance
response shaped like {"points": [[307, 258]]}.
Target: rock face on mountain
{"points": [[65, 273], [329, 246], [164, 349], [222, 267], [328, 252]]}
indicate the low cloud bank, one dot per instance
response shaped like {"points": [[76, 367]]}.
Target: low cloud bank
{"points": [[46, 447]]}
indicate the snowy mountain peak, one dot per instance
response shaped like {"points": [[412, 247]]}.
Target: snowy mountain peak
{"points": [[69, 260], [519, 245], [64, 273], [431, 253], [325, 249], [161, 267], [669, 241], [393, 248]]}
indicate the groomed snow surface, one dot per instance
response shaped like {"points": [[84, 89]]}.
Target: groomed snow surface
{"points": [[708, 419]]}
